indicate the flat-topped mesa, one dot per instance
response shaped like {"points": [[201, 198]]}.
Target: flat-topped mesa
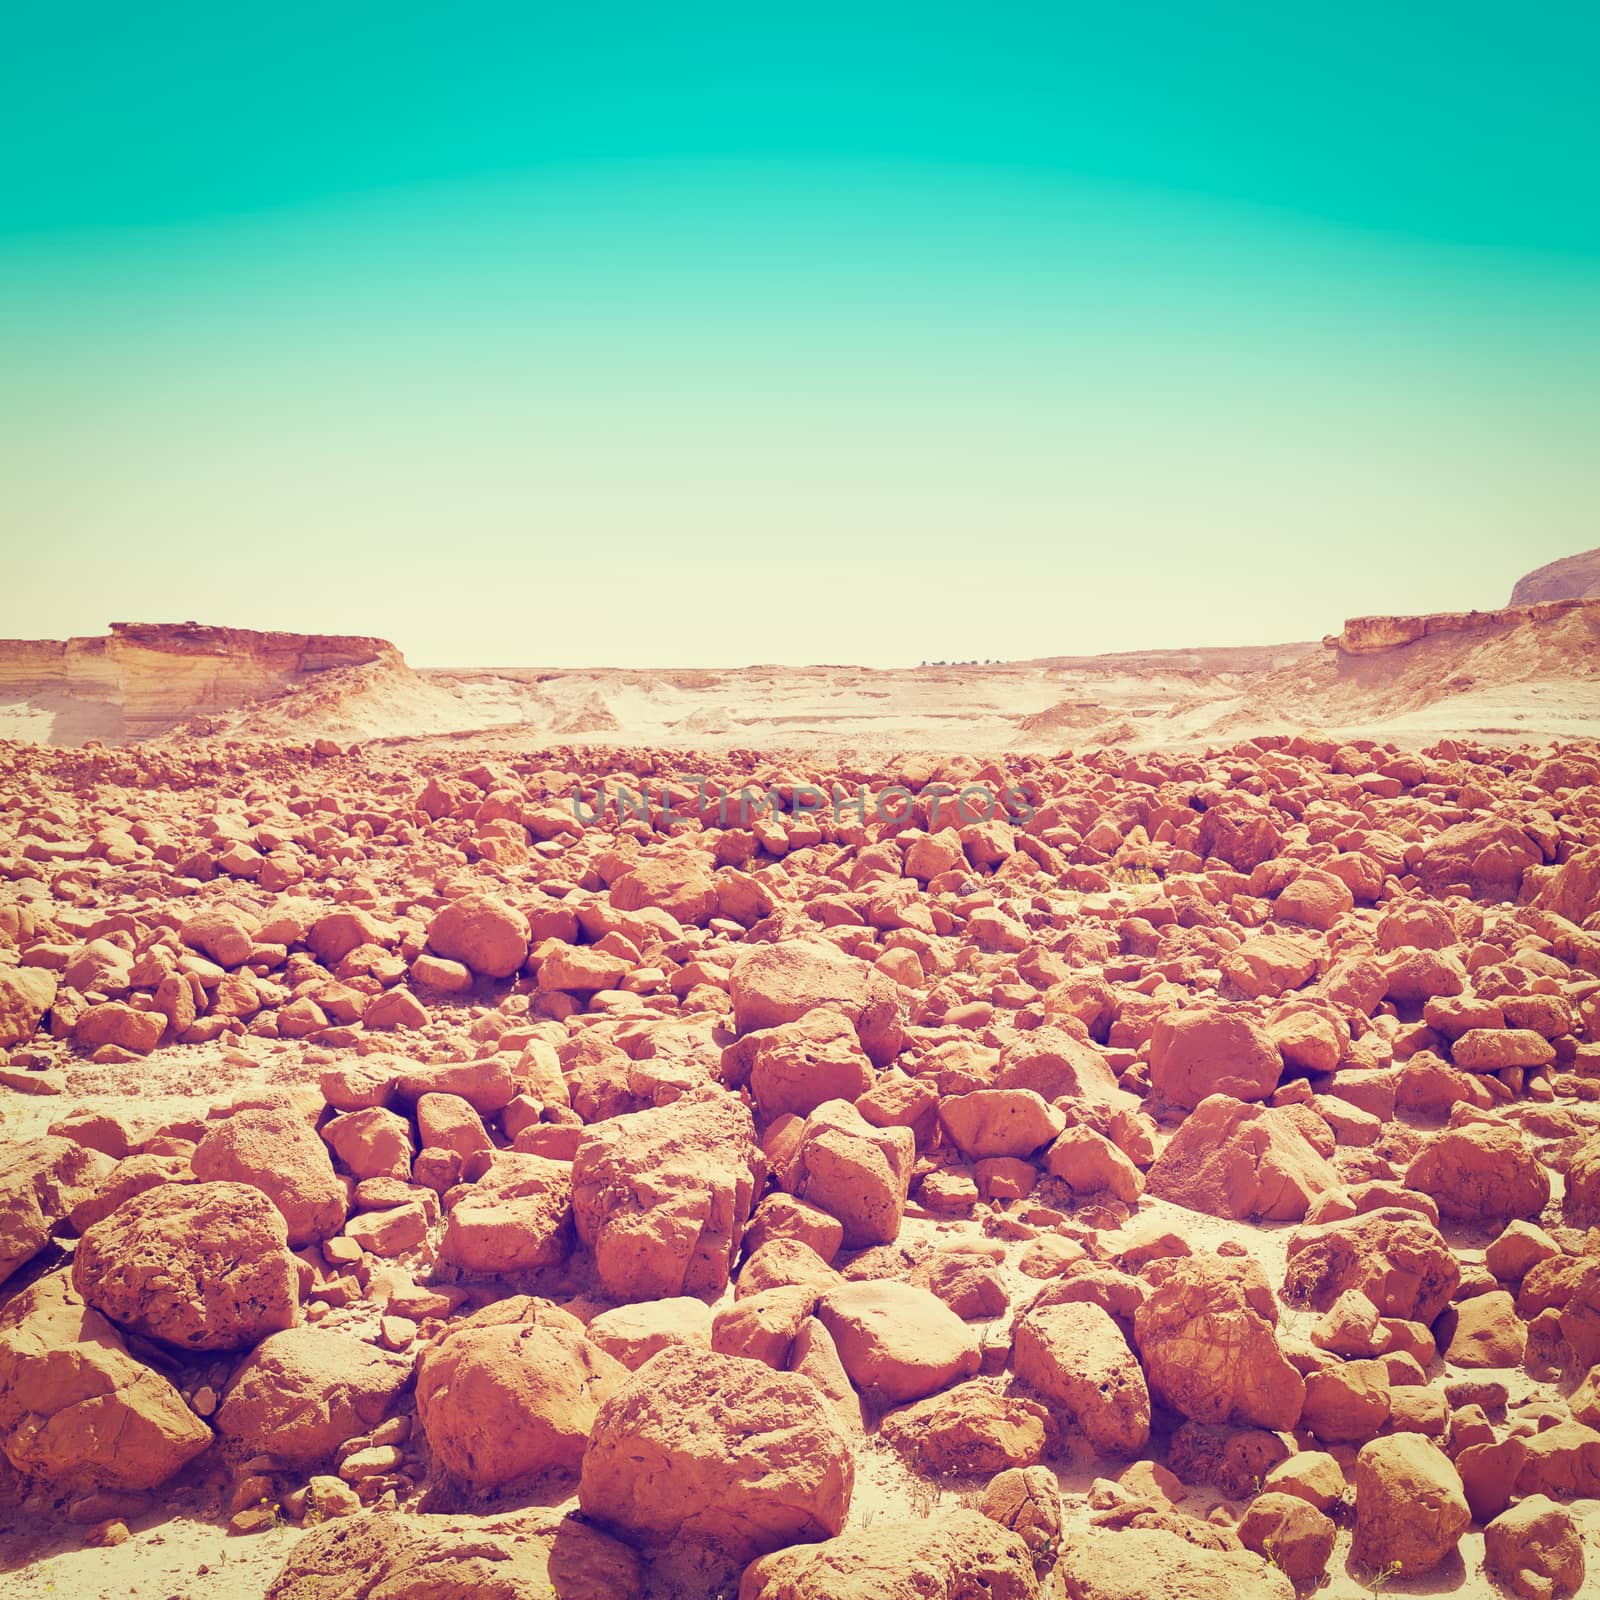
{"points": [[1367, 636], [146, 677]]}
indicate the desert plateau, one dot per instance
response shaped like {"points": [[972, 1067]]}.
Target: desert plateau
{"points": [[785, 1148]]}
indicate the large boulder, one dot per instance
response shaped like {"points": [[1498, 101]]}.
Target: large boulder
{"points": [[771, 984], [515, 1218], [1395, 1257], [1536, 1550], [1580, 1201], [677, 882], [1075, 1354], [801, 1064], [26, 993], [986, 1123], [301, 1393], [1481, 1172], [662, 1196], [41, 1182], [483, 933], [1239, 829], [1143, 1563], [1487, 856], [202, 1266], [855, 1172], [898, 1342], [717, 1455], [524, 1555], [277, 1151], [76, 1410], [1206, 1336], [972, 1428], [1212, 1050], [953, 1553], [539, 1371], [1410, 1505], [1245, 1162]]}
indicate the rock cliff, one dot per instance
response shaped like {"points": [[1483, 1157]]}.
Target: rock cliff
{"points": [[144, 678], [1572, 578]]}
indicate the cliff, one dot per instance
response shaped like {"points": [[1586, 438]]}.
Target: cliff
{"points": [[1572, 578], [144, 678], [1366, 636]]}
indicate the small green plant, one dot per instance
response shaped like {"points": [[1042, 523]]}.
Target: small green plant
{"points": [[1379, 1578], [274, 1513], [1269, 1546]]}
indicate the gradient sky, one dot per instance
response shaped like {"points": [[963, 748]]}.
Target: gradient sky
{"points": [[708, 334]]}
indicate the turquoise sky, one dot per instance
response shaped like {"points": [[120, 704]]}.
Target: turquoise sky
{"points": [[708, 334]]}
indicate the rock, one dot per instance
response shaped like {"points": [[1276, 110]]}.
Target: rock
{"points": [[1269, 965], [1076, 1355], [1241, 1161], [1089, 1163], [301, 1393], [1481, 1172], [952, 1553], [772, 984], [799, 1065], [222, 933], [1212, 1050], [897, 1342], [202, 1266], [1488, 1333], [1142, 1563], [1495, 1049], [41, 1182], [540, 1371], [1027, 1500], [853, 1171], [1395, 1258], [1311, 1475], [372, 1143], [115, 1023], [678, 883], [972, 1428], [1291, 1534], [26, 993], [515, 1218], [76, 1410], [1346, 1403], [717, 1455], [1519, 1248], [632, 1334], [662, 1196], [1209, 1353], [998, 1122], [1410, 1505], [1240, 830], [1535, 1549], [1057, 1065], [1486, 855], [526, 1555], [1580, 1203], [483, 933], [277, 1152]]}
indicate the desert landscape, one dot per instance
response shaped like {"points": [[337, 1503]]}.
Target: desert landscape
{"points": [[1089, 1128]]}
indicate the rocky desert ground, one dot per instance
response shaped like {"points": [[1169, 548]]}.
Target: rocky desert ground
{"points": [[1096, 1130]]}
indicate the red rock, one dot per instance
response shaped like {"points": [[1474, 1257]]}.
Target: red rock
{"points": [[76, 1410], [1481, 1171], [540, 1370], [1410, 1505], [202, 1266], [301, 1393], [662, 1197], [277, 1152], [42, 1181], [1212, 1050], [897, 1341], [483, 933], [699, 1450], [955, 1552], [1241, 1161], [1077, 1356], [1209, 1353]]}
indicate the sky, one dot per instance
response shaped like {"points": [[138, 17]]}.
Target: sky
{"points": [[572, 335]]}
